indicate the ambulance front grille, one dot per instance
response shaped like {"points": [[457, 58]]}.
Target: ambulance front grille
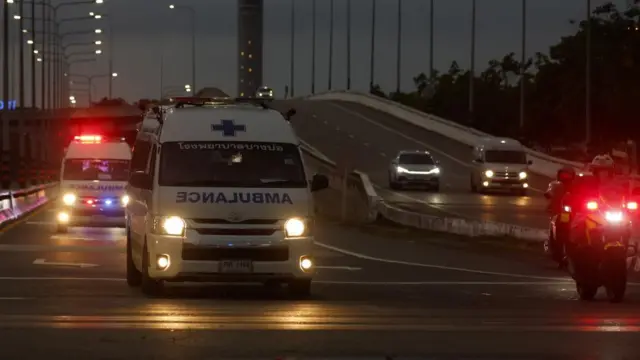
{"points": [[243, 222], [236, 231], [202, 253]]}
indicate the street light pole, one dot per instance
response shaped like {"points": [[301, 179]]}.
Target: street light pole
{"points": [[431, 37], [34, 90], [293, 38], [21, 50], [313, 49], [192, 13], [5, 58], [472, 62], [110, 49], [399, 48], [348, 44], [330, 84], [43, 77], [523, 58], [588, 78], [372, 64]]}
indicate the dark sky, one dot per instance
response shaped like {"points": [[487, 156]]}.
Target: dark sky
{"points": [[146, 30]]}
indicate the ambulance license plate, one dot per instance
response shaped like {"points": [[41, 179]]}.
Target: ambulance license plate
{"points": [[564, 218], [236, 266]]}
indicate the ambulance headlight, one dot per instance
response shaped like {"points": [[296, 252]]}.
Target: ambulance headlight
{"points": [[69, 199], [295, 227], [522, 175], [169, 225], [125, 200], [488, 173]]}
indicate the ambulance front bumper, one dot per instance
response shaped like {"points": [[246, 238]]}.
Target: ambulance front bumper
{"points": [[176, 259], [82, 216]]}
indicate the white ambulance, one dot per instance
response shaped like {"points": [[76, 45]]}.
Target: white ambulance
{"points": [[219, 193], [93, 177]]}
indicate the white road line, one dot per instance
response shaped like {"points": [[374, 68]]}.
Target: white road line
{"points": [[328, 282], [439, 267], [65, 264], [427, 146], [13, 298], [426, 203], [349, 268]]}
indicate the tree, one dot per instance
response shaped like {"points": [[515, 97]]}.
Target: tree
{"points": [[555, 81]]}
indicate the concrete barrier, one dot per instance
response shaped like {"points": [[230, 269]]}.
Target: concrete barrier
{"points": [[18, 203]]}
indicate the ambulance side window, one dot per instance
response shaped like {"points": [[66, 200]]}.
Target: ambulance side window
{"points": [[140, 158], [152, 163]]}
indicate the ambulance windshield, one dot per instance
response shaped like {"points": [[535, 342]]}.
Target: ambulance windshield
{"points": [[92, 169], [231, 164]]}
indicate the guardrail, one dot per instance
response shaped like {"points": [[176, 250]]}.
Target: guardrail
{"points": [[542, 164], [356, 180], [17, 203]]}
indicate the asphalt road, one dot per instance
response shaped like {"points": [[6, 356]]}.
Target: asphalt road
{"points": [[368, 139], [64, 296]]}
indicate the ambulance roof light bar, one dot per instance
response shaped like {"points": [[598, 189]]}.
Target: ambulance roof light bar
{"points": [[95, 139], [181, 101]]}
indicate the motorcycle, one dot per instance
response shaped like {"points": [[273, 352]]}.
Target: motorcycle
{"points": [[554, 246], [598, 247]]}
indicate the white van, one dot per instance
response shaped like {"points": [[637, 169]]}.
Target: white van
{"points": [[93, 177], [500, 164], [219, 193]]}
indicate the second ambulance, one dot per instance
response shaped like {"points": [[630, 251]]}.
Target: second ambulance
{"points": [[93, 177]]}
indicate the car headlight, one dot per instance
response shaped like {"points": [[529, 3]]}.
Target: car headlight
{"points": [[522, 175], [400, 169], [169, 225], [295, 227], [488, 173], [435, 171], [125, 200], [69, 199]]}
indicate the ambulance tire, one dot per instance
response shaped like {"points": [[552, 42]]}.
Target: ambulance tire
{"points": [[134, 276], [300, 288], [62, 229], [150, 287]]}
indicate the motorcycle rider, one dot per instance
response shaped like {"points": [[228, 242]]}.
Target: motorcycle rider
{"points": [[556, 193]]}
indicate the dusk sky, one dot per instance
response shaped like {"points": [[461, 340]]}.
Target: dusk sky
{"points": [[145, 30]]}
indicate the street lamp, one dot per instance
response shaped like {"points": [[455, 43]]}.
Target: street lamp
{"points": [[114, 75], [98, 42], [98, 52], [98, 31], [192, 13]]}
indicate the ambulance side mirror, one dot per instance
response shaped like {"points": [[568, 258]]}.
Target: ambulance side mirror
{"points": [[140, 180], [319, 182]]}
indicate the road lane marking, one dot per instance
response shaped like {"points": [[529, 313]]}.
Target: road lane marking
{"points": [[13, 298], [329, 282], [66, 264], [439, 267], [421, 143], [60, 248], [349, 268]]}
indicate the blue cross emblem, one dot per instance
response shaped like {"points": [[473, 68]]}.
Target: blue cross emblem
{"points": [[228, 128]]}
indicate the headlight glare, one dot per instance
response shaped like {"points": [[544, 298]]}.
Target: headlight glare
{"points": [[400, 169], [488, 173], [295, 227], [69, 199], [173, 225], [125, 200], [522, 175]]}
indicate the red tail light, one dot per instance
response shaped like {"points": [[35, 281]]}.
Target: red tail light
{"points": [[592, 205]]}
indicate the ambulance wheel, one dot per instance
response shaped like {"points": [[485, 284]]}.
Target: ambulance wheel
{"points": [[134, 276], [300, 287], [62, 229], [150, 287]]}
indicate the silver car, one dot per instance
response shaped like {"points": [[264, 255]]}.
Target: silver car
{"points": [[414, 167], [264, 92]]}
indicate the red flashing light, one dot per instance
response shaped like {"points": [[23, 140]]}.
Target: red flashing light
{"points": [[592, 205], [89, 139]]}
